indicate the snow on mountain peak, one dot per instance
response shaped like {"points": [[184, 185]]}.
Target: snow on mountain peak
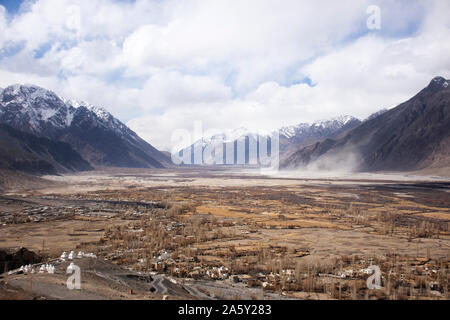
{"points": [[439, 79], [75, 103], [29, 92], [340, 120], [291, 131], [438, 82], [43, 106], [38, 104], [333, 123], [100, 112]]}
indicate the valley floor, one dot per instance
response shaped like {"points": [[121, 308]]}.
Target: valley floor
{"points": [[222, 234]]}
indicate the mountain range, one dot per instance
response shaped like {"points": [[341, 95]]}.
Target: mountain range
{"points": [[98, 137], [297, 136], [290, 139], [41, 132], [412, 136]]}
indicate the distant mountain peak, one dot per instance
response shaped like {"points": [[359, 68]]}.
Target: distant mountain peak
{"points": [[25, 91], [344, 119], [439, 79], [28, 91], [412, 136], [32, 108], [100, 112], [76, 103], [291, 137], [439, 83], [45, 108], [332, 123], [94, 132]]}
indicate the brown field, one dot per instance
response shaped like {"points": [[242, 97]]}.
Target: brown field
{"points": [[243, 235]]}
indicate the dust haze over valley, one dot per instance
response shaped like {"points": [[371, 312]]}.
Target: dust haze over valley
{"points": [[258, 199]]}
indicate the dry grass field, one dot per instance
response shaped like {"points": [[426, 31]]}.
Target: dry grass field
{"points": [[241, 235]]}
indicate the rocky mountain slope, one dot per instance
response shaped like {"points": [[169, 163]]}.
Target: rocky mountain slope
{"points": [[411, 136], [294, 137], [28, 153], [94, 133], [290, 138]]}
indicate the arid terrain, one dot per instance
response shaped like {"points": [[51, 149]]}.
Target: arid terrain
{"points": [[220, 234]]}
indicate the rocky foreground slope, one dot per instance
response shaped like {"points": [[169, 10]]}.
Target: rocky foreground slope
{"points": [[412, 136]]}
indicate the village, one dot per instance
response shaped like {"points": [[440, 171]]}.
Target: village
{"points": [[244, 242]]}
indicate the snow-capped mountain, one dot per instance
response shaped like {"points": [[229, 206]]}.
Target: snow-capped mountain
{"points": [[98, 136], [440, 83], [204, 150], [412, 136], [297, 136], [329, 124], [321, 127], [33, 109], [291, 138], [103, 116]]}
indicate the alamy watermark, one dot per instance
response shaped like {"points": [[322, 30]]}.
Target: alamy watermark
{"points": [[374, 20], [374, 281], [74, 280], [73, 18], [213, 147]]}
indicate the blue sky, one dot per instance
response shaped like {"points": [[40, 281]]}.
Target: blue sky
{"points": [[12, 6], [162, 65]]}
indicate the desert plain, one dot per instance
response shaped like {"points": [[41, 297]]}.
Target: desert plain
{"points": [[223, 233]]}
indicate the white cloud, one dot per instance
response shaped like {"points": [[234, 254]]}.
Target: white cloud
{"points": [[3, 24], [256, 40], [166, 90], [161, 65]]}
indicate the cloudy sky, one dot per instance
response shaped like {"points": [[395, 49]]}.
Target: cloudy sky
{"points": [[161, 65]]}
